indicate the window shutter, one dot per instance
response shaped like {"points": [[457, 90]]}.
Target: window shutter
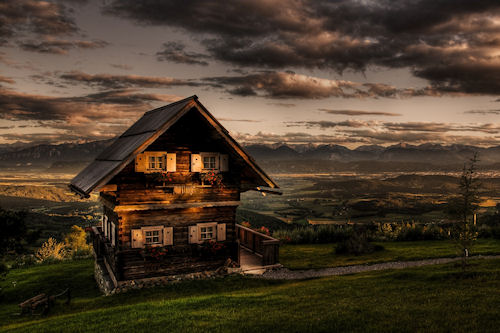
{"points": [[221, 231], [195, 163], [137, 238], [217, 162], [113, 234], [141, 163], [193, 235], [105, 226], [224, 163], [171, 163], [168, 236]]}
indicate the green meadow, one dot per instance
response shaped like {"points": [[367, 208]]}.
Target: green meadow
{"points": [[432, 298]]}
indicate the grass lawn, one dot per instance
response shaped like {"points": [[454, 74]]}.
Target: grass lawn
{"points": [[432, 298], [323, 255]]}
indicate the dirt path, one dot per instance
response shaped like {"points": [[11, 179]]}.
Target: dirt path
{"points": [[286, 274]]}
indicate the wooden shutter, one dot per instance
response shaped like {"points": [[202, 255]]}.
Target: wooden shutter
{"points": [[171, 163], [195, 163], [141, 163], [193, 235], [105, 226], [137, 238], [224, 162], [168, 236], [113, 234], [221, 231]]}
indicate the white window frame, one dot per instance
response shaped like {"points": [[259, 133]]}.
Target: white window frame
{"points": [[210, 155], [159, 161], [212, 225], [145, 230]]}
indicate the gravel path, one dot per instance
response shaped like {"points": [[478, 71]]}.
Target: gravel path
{"points": [[286, 274]]}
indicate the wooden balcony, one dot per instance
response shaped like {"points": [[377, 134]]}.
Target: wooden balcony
{"points": [[264, 246]]}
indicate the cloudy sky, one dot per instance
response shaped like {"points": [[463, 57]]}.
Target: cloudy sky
{"points": [[336, 72]]}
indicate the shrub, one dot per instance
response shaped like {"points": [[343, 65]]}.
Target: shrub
{"points": [[486, 231], [24, 260], [409, 232], [51, 250], [3, 269], [313, 234], [76, 242], [357, 244]]}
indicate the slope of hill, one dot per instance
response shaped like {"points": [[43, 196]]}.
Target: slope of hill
{"points": [[430, 299]]}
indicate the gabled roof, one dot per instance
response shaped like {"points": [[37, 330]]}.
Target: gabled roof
{"points": [[143, 133]]}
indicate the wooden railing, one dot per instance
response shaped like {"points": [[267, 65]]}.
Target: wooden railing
{"points": [[103, 248], [264, 245]]}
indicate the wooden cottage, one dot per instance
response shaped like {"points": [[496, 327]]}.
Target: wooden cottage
{"points": [[170, 186]]}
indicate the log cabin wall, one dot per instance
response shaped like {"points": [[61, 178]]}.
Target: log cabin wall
{"points": [[179, 219]]}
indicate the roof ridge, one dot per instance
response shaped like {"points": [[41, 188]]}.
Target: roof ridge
{"points": [[172, 104]]}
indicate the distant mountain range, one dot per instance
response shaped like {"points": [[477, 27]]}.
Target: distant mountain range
{"points": [[70, 155], [425, 153]]}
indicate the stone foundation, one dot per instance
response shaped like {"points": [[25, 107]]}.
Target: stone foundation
{"points": [[107, 287], [102, 278]]}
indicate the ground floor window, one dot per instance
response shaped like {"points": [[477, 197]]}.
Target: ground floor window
{"points": [[153, 235], [202, 232], [207, 233]]}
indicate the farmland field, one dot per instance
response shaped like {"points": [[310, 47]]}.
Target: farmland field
{"points": [[307, 198]]}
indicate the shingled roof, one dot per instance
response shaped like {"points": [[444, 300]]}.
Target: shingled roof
{"points": [[143, 133]]}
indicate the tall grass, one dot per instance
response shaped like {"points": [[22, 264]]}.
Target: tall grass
{"points": [[320, 234], [314, 234]]}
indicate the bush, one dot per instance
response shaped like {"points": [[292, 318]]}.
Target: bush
{"points": [[51, 250], [76, 242], [313, 234], [3, 269], [24, 261], [486, 231], [409, 232], [357, 244]]}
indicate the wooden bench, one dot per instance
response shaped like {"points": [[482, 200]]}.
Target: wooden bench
{"points": [[41, 304]]}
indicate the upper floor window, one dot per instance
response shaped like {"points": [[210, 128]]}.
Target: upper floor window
{"points": [[209, 162], [156, 162]]}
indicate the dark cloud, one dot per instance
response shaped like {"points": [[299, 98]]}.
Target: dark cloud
{"points": [[174, 52], [100, 115], [360, 113], [442, 127], [273, 84], [452, 44], [121, 66], [55, 46], [402, 127], [240, 120], [364, 137], [43, 18], [110, 81], [483, 112], [324, 124], [283, 105]]}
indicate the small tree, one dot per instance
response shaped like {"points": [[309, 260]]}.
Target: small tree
{"points": [[51, 250], [463, 207], [76, 242]]}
